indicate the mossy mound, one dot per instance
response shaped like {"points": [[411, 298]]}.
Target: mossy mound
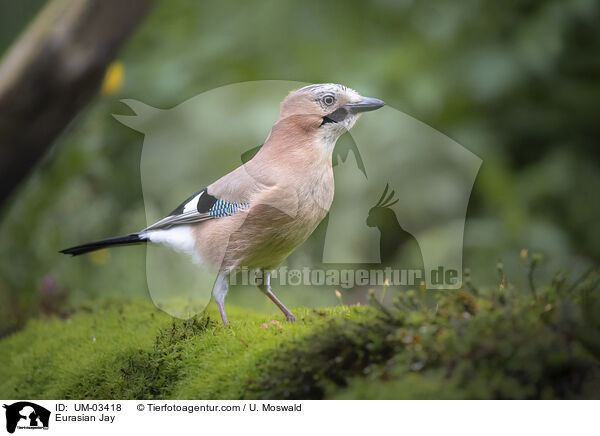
{"points": [[130, 349], [504, 343]]}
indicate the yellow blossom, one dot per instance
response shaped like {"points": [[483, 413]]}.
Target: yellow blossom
{"points": [[113, 78]]}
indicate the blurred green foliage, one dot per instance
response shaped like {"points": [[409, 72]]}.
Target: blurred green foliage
{"points": [[515, 82]]}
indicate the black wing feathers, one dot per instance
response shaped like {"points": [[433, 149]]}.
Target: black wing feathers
{"points": [[205, 202]]}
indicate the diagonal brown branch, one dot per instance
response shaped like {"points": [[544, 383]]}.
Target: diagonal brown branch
{"points": [[52, 71]]}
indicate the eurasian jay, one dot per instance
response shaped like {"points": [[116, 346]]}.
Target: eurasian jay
{"points": [[256, 215]]}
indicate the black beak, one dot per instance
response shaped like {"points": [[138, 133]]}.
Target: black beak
{"points": [[366, 104]]}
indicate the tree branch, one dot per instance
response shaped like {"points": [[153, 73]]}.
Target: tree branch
{"points": [[52, 71]]}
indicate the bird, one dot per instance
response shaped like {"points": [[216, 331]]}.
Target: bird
{"points": [[259, 213], [394, 239]]}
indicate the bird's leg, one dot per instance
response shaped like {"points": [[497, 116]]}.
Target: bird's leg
{"points": [[219, 292], [265, 287]]}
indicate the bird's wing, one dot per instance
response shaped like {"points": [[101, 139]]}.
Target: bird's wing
{"points": [[199, 207], [228, 195]]}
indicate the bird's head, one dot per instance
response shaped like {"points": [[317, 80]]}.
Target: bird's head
{"points": [[382, 214], [336, 106]]}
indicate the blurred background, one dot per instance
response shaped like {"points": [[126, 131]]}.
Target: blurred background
{"points": [[516, 83]]}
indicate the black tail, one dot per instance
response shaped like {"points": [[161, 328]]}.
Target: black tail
{"points": [[133, 238]]}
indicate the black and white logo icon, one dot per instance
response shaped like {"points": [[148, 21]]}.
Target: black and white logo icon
{"points": [[26, 415]]}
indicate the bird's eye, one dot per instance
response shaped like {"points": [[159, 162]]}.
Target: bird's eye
{"points": [[329, 100]]}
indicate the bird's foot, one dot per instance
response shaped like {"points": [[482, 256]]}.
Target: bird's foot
{"points": [[290, 318], [223, 316]]}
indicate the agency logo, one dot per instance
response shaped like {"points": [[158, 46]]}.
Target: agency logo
{"points": [[26, 415]]}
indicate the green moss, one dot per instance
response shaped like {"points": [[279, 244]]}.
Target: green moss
{"points": [[495, 344], [145, 373], [53, 358], [220, 363], [503, 343], [130, 349]]}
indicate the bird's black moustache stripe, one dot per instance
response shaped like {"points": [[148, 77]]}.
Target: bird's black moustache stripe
{"points": [[336, 116]]}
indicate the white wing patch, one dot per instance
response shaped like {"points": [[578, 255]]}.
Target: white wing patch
{"points": [[192, 205]]}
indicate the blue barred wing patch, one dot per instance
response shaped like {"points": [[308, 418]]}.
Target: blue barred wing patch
{"points": [[199, 207], [223, 208]]}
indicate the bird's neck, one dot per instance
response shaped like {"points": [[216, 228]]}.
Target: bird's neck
{"points": [[299, 156], [299, 140]]}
